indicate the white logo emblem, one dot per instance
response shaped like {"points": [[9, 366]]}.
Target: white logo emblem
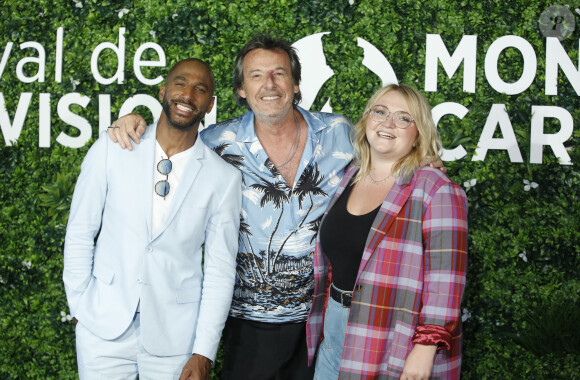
{"points": [[315, 71]]}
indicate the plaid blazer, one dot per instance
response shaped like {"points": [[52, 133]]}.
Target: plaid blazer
{"points": [[410, 280]]}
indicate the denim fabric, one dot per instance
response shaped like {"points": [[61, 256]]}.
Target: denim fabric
{"points": [[330, 351]]}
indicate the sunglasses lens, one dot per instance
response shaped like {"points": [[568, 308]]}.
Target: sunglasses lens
{"points": [[162, 188], [164, 166]]}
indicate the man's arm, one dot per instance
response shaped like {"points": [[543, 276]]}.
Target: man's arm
{"points": [[84, 223], [219, 265], [220, 251], [126, 129]]}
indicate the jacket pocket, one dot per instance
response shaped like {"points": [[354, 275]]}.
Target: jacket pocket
{"points": [[186, 295], [103, 274]]}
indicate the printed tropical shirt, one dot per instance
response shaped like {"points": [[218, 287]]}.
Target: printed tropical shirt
{"points": [[274, 280]]}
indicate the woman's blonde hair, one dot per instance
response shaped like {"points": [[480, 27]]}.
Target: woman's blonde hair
{"points": [[427, 144]]}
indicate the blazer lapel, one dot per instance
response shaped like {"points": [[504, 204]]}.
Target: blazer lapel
{"points": [[386, 216], [146, 166]]}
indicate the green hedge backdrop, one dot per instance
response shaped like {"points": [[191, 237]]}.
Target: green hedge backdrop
{"points": [[521, 304]]}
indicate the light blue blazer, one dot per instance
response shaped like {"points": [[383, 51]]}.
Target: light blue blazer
{"points": [[112, 262]]}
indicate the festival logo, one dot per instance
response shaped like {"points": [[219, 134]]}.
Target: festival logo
{"points": [[316, 72]]}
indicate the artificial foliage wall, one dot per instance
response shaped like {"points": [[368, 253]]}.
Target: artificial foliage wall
{"points": [[503, 78]]}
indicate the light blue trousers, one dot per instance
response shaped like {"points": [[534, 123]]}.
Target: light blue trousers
{"points": [[123, 357], [330, 350]]}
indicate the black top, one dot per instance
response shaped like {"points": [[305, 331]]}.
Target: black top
{"points": [[343, 237]]}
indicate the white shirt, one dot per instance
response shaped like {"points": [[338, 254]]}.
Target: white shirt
{"points": [[161, 205]]}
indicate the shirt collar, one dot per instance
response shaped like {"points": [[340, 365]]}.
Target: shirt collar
{"points": [[247, 133]]}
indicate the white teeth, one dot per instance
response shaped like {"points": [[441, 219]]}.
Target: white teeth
{"points": [[270, 97], [182, 107], [387, 135]]}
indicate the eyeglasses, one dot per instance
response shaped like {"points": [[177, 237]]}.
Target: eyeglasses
{"points": [[162, 187], [380, 114]]}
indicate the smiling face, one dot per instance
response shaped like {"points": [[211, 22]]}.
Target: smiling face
{"points": [[187, 94], [385, 139], [268, 86]]}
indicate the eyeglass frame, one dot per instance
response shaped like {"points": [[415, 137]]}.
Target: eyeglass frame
{"points": [[163, 182], [395, 119]]}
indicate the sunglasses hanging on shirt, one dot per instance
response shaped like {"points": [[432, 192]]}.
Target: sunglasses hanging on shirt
{"points": [[162, 187]]}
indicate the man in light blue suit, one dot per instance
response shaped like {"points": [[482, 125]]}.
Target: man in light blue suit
{"points": [[151, 243]]}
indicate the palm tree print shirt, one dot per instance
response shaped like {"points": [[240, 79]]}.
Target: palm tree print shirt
{"points": [[274, 280]]}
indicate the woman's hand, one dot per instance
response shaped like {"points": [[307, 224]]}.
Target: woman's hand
{"points": [[419, 363], [127, 128]]}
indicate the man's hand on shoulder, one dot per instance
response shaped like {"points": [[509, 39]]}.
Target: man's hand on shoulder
{"points": [[435, 164], [196, 368], [127, 128]]}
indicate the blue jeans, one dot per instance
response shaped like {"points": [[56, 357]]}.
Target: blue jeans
{"points": [[330, 350]]}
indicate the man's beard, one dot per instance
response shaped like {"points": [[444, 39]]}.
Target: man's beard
{"points": [[186, 126]]}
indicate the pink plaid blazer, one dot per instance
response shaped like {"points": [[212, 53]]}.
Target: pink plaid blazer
{"points": [[410, 281]]}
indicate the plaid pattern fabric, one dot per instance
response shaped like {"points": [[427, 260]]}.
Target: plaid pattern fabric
{"points": [[412, 273]]}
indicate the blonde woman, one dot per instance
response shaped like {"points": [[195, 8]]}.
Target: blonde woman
{"points": [[395, 236]]}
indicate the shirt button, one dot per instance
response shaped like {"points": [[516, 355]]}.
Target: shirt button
{"points": [[139, 280], [149, 249], [359, 287]]}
